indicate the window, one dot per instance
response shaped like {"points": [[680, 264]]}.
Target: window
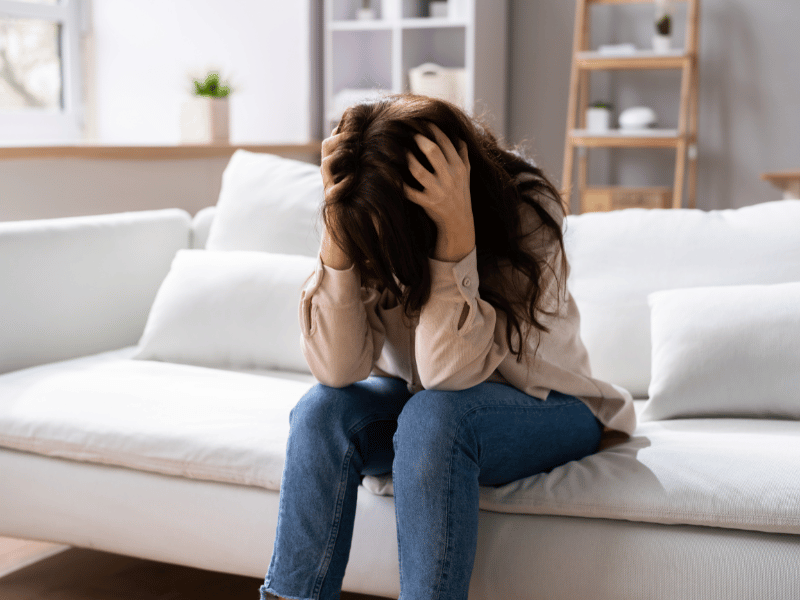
{"points": [[40, 71]]}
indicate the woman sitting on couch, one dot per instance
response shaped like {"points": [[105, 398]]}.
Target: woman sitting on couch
{"points": [[447, 347]]}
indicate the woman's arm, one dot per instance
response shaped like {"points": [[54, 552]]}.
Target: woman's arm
{"points": [[460, 338], [456, 342], [331, 254], [342, 336]]}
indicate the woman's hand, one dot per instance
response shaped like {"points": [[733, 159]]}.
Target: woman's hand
{"points": [[446, 197], [330, 253], [329, 145]]}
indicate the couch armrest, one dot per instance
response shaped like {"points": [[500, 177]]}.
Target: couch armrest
{"points": [[81, 285]]}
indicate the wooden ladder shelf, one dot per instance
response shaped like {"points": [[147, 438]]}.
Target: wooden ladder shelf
{"points": [[683, 139]]}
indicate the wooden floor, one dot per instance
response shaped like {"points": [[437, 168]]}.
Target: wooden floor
{"points": [[39, 571]]}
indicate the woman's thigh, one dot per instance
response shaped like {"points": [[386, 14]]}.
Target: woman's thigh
{"points": [[509, 434]]}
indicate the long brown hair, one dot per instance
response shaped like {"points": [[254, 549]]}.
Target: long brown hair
{"points": [[387, 236]]}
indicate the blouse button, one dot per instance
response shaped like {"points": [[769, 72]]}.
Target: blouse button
{"points": [[466, 282]]}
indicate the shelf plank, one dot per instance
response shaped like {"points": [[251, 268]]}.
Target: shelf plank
{"points": [[388, 24], [626, 1], [786, 181], [431, 22], [642, 59], [182, 151], [781, 175], [365, 25], [617, 138]]}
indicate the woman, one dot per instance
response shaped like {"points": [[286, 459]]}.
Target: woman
{"points": [[446, 344]]}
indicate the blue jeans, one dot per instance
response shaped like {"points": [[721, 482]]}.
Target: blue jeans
{"points": [[439, 446]]}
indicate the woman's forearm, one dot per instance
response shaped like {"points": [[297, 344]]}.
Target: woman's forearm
{"points": [[332, 255], [454, 241]]}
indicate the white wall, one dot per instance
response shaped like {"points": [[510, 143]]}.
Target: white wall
{"points": [[145, 51]]}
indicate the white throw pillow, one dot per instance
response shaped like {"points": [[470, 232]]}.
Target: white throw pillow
{"points": [[728, 351], [619, 257], [229, 310], [268, 203]]}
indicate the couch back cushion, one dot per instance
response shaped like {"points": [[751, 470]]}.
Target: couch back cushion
{"points": [[269, 204], [201, 223], [618, 258], [81, 285]]}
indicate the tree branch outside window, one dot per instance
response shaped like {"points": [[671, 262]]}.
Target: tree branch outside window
{"points": [[40, 78]]}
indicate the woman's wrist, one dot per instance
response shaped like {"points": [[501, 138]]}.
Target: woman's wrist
{"points": [[332, 255], [454, 242]]}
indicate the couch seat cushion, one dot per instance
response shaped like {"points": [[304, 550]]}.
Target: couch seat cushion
{"points": [[731, 473], [182, 420], [232, 427]]}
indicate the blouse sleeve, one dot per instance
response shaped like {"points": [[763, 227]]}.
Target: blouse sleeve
{"points": [[451, 354], [455, 355], [342, 337]]}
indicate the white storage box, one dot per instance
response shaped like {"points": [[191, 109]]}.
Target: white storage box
{"points": [[430, 79]]}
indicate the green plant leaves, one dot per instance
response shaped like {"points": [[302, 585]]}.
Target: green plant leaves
{"points": [[211, 87], [664, 25]]}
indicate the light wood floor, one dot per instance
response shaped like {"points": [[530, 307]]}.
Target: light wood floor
{"points": [[38, 571]]}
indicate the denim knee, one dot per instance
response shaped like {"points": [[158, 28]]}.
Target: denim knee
{"points": [[320, 409], [431, 423]]}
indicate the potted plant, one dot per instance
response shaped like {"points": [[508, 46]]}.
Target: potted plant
{"points": [[205, 118], [366, 12], [598, 116], [663, 26]]}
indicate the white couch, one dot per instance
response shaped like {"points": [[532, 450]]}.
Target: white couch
{"points": [[181, 463]]}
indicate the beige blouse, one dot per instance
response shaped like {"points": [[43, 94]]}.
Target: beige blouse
{"points": [[350, 332]]}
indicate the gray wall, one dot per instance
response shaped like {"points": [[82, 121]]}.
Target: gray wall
{"points": [[749, 120]]}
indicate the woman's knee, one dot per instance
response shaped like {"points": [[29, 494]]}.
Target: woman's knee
{"points": [[320, 408], [324, 407], [430, 418]]}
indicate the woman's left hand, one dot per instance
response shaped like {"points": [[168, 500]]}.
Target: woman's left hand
{"points": [[446, 196]]}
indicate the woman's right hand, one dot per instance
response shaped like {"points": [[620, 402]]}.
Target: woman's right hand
{"points": [[329, 146], [332, 255]]}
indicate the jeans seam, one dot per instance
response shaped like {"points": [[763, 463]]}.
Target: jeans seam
{"points": [[337, 517], [458, 427], [397, 528]]}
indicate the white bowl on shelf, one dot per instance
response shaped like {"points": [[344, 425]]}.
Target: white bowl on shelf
{"points": [[637, 117]]}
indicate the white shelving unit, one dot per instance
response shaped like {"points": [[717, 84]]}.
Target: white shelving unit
{"points": [[376, 55]]}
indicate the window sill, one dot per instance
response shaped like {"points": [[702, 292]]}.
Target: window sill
{"points": [[176, 152]]}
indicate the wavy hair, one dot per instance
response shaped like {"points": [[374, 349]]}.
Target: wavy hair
{"points": [[390, 238]]}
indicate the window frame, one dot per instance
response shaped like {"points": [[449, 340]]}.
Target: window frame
{"points": [[68, 123]]}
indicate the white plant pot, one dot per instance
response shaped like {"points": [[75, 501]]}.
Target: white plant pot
{"points": [[391, 9], [365, 14], [598, 119], [205, 120], [438, 9], [661, 43]]}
